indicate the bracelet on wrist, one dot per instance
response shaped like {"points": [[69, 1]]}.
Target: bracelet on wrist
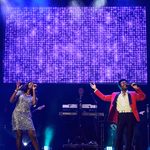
{"points": [[16, 90]]}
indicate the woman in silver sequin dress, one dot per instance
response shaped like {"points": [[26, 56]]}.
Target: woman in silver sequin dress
{"points": [[21, 117]]}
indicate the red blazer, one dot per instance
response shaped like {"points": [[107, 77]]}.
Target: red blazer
{"points": [[133, 96]]}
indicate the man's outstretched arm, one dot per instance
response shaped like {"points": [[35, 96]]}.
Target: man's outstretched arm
{"points": [[100, 94]]}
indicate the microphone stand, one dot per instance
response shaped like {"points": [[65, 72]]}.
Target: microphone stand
{"points": [[81, 136], [148, 129], [101, 124], [96, 111]]}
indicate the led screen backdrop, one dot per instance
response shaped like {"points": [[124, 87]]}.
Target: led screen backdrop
{"points": [[75, 45]]}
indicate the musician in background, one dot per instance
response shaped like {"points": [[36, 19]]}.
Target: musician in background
{"points": [[86, 125], [80, 95], [123, 110], [83, 97], [21, 118], [80, 137]]}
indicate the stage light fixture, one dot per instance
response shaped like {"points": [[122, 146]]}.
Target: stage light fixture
{"points": [[109, 148], [25, 144], [25, 140], [5, 6], [47, 148], [99, 3], [73, 3]]}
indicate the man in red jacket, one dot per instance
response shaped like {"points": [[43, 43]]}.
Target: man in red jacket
{"points": [[123, 110]]}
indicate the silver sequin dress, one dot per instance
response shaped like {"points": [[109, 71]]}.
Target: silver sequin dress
{"points": [[22, 117]]}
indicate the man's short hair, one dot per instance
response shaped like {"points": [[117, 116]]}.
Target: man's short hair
{"points": [[119, 82]]}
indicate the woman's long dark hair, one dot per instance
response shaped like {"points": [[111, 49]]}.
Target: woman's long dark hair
{"points": [[25, 88]]}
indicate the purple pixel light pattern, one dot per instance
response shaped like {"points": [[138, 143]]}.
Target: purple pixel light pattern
{"points": [[75, 45]]}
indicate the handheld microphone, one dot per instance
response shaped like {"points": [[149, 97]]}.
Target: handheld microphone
{"points": [[133, 84], [147, 110], [92, 83], [35, 85], [20, 87]]}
